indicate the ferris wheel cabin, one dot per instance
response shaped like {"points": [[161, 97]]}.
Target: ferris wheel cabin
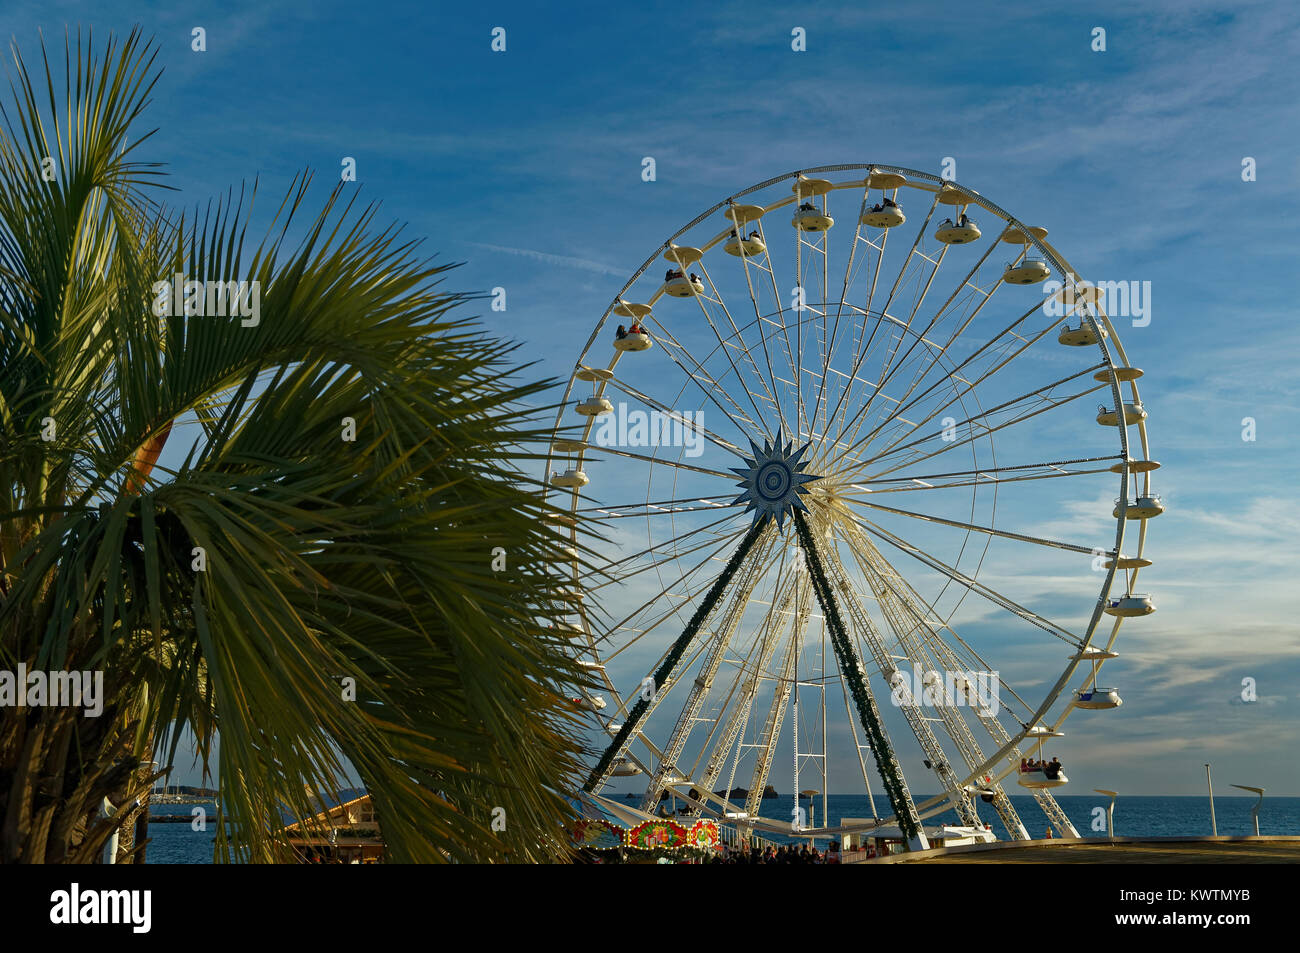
{"points": [[887, 214], [1132, 414], [810, 218], [1097, 699], [1131, 605], [1041, 778], [744, 247], [595, 407], [571, 479], [633, 341], [1143, 508], [1027, 271], [681, 286], [1082, 336], [957, 233]]}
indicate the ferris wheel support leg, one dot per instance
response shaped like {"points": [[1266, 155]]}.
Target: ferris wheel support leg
{"points": [[1054, 814], [640, 711], [1010, 819], [891, 774]]}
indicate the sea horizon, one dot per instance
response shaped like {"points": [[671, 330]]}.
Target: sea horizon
{"points": [[1141, 815]]}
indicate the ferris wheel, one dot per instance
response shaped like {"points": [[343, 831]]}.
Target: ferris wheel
{"points": [[850, 501]]}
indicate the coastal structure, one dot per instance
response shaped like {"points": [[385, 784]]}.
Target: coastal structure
{"points": [[347, 833]]}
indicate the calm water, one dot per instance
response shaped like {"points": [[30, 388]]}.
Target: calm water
{"points": [[1134, 817]]}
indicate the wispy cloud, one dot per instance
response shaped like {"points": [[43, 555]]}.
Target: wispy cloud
{"points": [[560, 261]]}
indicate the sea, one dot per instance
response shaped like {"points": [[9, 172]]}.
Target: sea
{"points": [[172, 843]]}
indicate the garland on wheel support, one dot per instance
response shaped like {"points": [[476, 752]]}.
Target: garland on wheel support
{"points": [[890, 772], [640, 709]]}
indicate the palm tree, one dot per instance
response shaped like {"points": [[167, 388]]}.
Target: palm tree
{"points": [[283, 528]]}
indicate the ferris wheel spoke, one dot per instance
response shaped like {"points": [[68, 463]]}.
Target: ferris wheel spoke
{"points": [[778, 301], [975, 527], [861, 340], [942, 351], [727, 346], [660, 461], [978, 431], [709, 387], [980, 589], [901, 329], [839, 308], [982, 479], [954, 373], [905, 327], [658, 507], [674, 546], [885, 576], [1043, 404], [982, 475], [893, 291], [675, 416], [774, 392], [668, 595]]}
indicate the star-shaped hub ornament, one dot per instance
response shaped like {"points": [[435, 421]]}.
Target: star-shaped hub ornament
{"points": [[774, 481]]}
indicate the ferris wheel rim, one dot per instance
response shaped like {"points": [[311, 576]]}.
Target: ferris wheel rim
{"points": [[1061, 267]]}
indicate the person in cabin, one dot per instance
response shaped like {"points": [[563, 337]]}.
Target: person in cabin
{"points": [[622, 332]]}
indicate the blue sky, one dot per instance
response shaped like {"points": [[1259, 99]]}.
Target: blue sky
{"points": [[526, 165]]}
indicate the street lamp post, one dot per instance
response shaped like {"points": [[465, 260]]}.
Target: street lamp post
{"points": [[1214, 825], [1110, 811], [1254, 811]]}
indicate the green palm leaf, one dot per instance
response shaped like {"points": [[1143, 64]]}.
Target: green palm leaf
{"points": [[332, 566]]}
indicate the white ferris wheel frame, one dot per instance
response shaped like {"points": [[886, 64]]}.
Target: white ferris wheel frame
{"points": [[1093, 649]]}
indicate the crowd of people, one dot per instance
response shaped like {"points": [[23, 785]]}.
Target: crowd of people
{"points": [[623, 332], [786, 854]]}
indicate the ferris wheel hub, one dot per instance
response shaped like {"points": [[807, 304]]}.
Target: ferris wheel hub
{"points": [[774, 480]]}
